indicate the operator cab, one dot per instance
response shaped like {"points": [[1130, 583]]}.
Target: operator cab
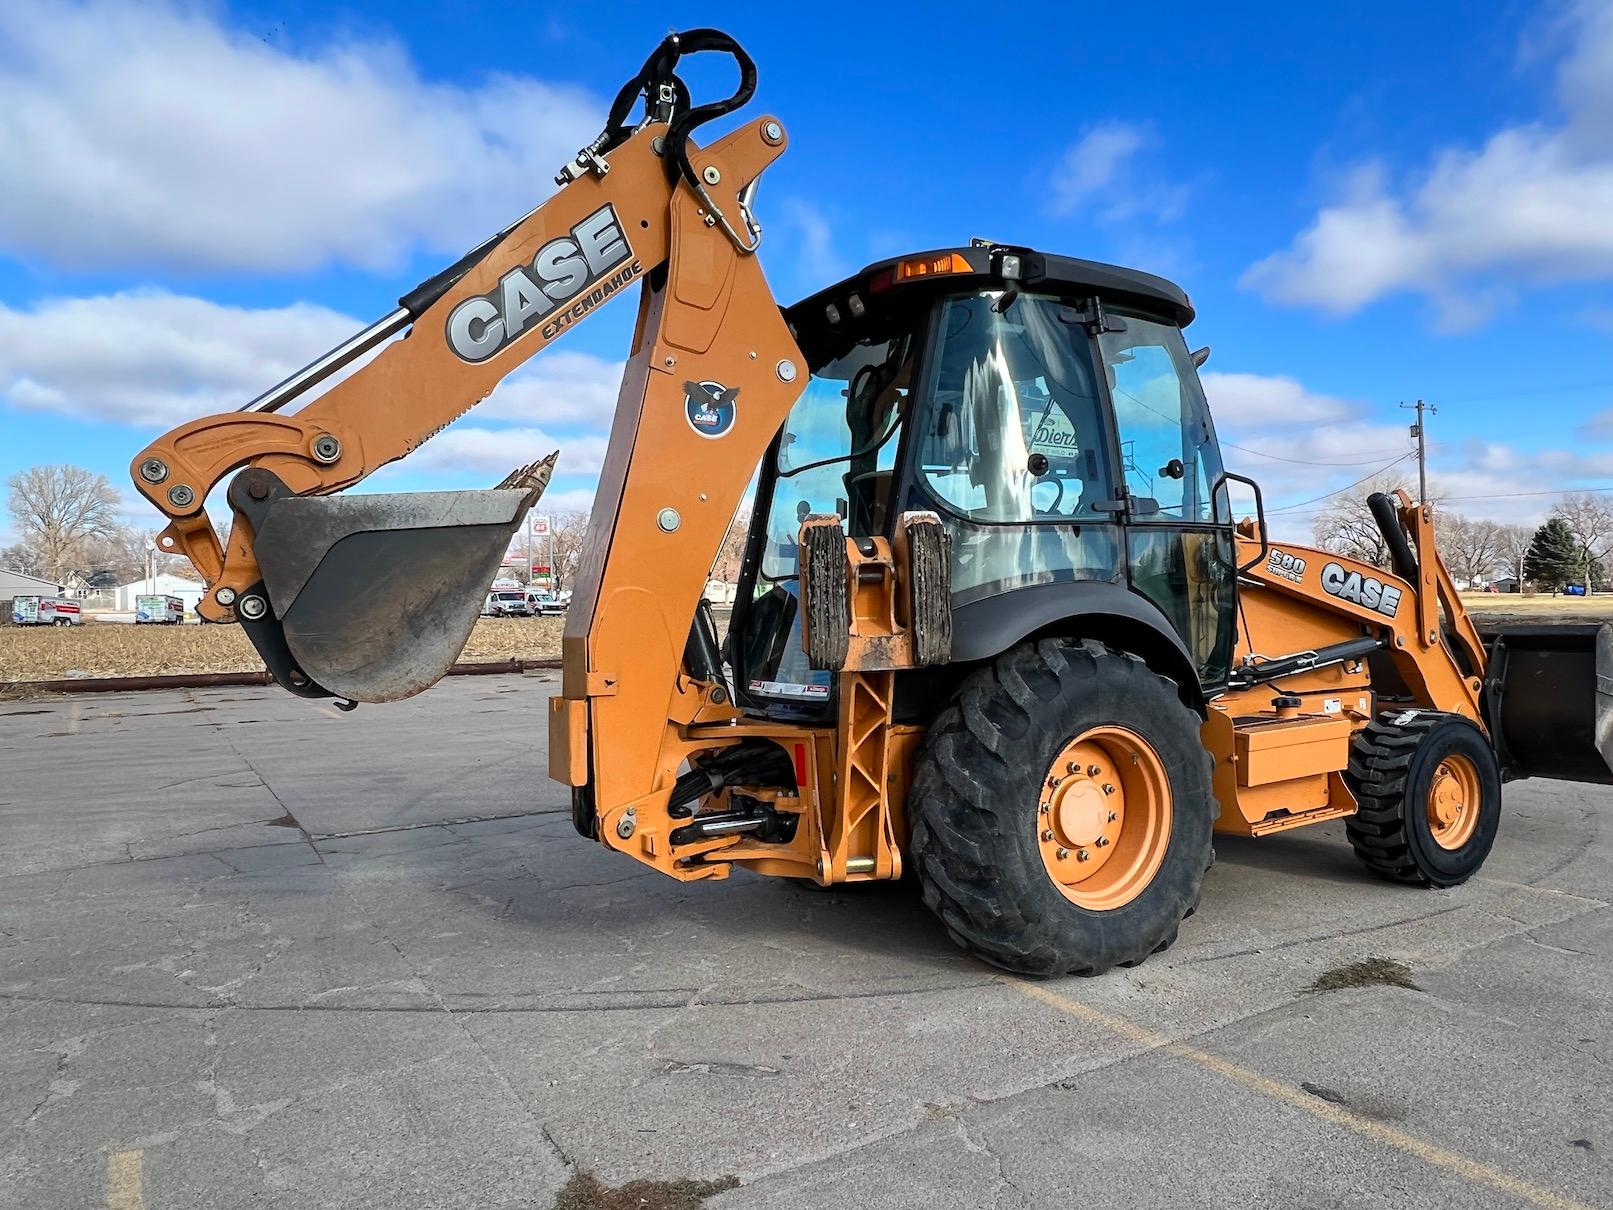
{"points": [[1048, 410]]}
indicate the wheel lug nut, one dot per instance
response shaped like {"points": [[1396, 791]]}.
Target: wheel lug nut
{"points": [[1093, 770], [1082, 855], [1107, 788], [1052, 783], [1102, 840], [1063, 853], [1045, 808], [1113, 816], [1047, 833]]}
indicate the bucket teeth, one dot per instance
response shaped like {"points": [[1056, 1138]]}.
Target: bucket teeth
{"points": [[533, 477]]}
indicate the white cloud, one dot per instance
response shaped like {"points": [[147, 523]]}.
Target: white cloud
{"points": [[1093, 163], [1248, 400], [152, 135], [1104, 174], [148, 357], [1529, 206], [494, 453], [160, 359], [558, 387]]}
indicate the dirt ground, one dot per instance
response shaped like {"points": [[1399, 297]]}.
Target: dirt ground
{"points": [[47, 653]]}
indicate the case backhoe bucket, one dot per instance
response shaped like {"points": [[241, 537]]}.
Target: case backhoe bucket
{"points": [[372, 597], [1549, 698]]}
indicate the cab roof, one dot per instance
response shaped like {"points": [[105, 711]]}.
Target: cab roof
{"points": [[915, 278]]}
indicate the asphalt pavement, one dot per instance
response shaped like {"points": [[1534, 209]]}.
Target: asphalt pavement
{"points": [[255, 952]]}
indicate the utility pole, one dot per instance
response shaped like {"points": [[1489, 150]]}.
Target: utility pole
{"points": [[1420, 431], [529, 550]]}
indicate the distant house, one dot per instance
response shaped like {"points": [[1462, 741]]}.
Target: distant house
{"points": [[19, 584], [188, 591], [1504, 584]]}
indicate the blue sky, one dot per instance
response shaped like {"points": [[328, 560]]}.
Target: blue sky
{"points": [[1367, 203]]}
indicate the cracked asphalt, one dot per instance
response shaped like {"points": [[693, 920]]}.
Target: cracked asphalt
{"points": [[257, 953]]}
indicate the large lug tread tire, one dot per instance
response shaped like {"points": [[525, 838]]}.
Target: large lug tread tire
{"points": [[1392, 761], [977, 780]]}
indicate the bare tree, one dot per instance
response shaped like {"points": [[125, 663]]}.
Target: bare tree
{"points": [[56, 508], [1472, 548], [23, 557], [570, 532], [1514, 542], [731, 555], [1346, 527]]}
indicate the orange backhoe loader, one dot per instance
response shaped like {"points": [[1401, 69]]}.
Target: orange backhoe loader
{"points": [[996, 622]]}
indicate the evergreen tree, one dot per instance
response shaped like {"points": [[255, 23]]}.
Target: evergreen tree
{"points": [[1554, 557]]}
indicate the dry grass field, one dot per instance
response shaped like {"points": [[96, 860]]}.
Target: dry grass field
{"points": [[47, 653], [1540, 607]]}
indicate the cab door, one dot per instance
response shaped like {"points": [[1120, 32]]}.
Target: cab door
{"points": [[1179, 547]]}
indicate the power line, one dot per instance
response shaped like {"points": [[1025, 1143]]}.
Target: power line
{"points": [[1556, 491], [1288, 508], [1362, 461]]}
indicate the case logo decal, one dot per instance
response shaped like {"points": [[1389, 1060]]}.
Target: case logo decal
{"points": [[711, 407], [1363, 590], [595, 254]]}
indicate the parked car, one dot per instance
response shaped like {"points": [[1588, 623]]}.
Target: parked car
{"points": [[159, 608], [506, 603], [545, 604], [46, 611]]}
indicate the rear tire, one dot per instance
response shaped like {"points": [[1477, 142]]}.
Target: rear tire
{"points": [[979, 836], [1416, 775]]}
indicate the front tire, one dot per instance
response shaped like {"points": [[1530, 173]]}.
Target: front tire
{"points": [[1429, 792], [1061, 811]]}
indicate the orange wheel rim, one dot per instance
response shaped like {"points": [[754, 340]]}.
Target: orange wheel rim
{"points": [[1454, 802], [1103, 819]]}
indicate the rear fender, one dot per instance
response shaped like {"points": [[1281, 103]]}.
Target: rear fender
{"points": [[1089, 609]]}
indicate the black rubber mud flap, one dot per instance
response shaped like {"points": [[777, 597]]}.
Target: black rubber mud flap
{"points": [[374, 596], [928, 561], [1548, 700], [826, 635]]}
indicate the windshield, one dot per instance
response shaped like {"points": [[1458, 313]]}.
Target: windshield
{"points": [[836, 454], [511, 596], [1014, 429]]}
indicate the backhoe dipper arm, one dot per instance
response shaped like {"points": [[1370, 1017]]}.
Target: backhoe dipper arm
{"points": [[469, 326]]}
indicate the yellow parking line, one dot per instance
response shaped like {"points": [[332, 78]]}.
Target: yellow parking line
{"points": [[1450, 1161], [125, 1180]]}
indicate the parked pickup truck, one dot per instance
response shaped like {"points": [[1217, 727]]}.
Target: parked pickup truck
{"points": [[46, 611], [545, 604], [159, 608], [506, 603]]}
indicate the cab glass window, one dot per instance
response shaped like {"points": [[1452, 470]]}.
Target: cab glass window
{"points": [[1013, 426], [1167, 447]]}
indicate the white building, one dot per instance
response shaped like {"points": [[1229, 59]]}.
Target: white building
{"points": [[15, 584], [188, 591]]}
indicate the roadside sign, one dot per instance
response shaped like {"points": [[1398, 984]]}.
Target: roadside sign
{"points": [[540, 526]]}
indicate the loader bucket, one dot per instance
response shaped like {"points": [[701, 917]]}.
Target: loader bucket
{"points": [[1549, 700], [371, 597]]}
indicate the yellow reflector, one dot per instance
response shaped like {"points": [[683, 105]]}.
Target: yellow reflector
{"points": [[929, 266]]}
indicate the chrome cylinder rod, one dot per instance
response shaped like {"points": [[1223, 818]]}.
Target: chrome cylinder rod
{"points": [[315, 372]]}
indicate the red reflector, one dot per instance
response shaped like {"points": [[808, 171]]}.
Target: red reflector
{"points": [[799, 751]]}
